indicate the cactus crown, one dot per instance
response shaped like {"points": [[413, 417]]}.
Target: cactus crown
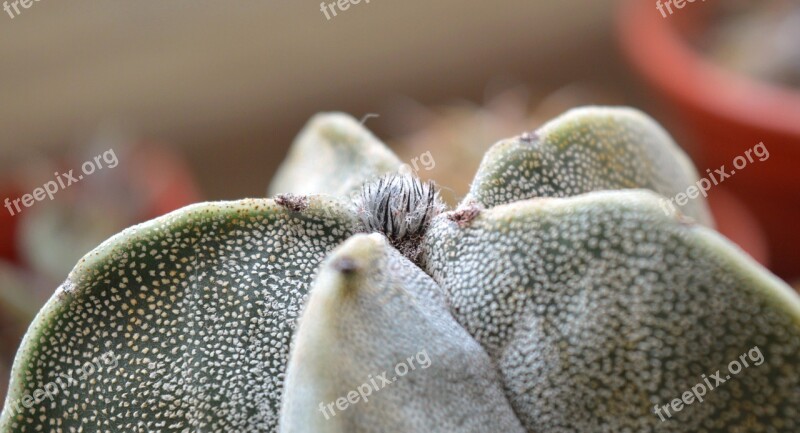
{"points": [[558, 296], [401, 207]]}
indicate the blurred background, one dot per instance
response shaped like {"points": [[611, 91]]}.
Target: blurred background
{"points": [[191, 100]]}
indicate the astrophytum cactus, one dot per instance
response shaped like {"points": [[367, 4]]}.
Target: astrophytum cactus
{"points": [[561, 295]]}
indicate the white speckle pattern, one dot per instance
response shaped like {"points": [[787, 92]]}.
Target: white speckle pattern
{"points": [[369, 316], [598, 307], [199, 305], [333, 154], [585, 150]]}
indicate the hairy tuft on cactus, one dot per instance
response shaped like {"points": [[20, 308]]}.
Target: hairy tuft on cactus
{"points": [[557, 296], [401, 207]]}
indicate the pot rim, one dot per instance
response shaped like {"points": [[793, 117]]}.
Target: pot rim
{"points": [[656, 48]]}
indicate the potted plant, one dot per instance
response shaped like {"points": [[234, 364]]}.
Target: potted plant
{"points": [[561, 294], [726, 111]]}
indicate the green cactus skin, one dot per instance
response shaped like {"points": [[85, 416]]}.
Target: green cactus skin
{"points": [[198, 306], [371, 309], [549, 301], [584, 150], [335, 155], [607, 306]]}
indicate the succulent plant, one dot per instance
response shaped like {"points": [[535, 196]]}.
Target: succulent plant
{"points": [[560, 295]]}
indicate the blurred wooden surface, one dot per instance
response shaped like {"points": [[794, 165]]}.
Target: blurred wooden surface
{"points": [[231, 82]]}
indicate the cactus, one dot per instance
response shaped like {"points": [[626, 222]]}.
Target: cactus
{"points": [[559, 295]]}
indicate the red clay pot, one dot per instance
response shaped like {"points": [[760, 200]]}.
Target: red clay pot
{"points": [[9, 224], [735, 221], [726, 114]]}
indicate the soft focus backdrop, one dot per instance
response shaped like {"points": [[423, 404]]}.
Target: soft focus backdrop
{"points": [[180, 101]]}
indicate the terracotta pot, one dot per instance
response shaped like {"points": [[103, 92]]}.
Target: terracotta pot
{"points": [[9, 224], [726, 114], [737, 223]]}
